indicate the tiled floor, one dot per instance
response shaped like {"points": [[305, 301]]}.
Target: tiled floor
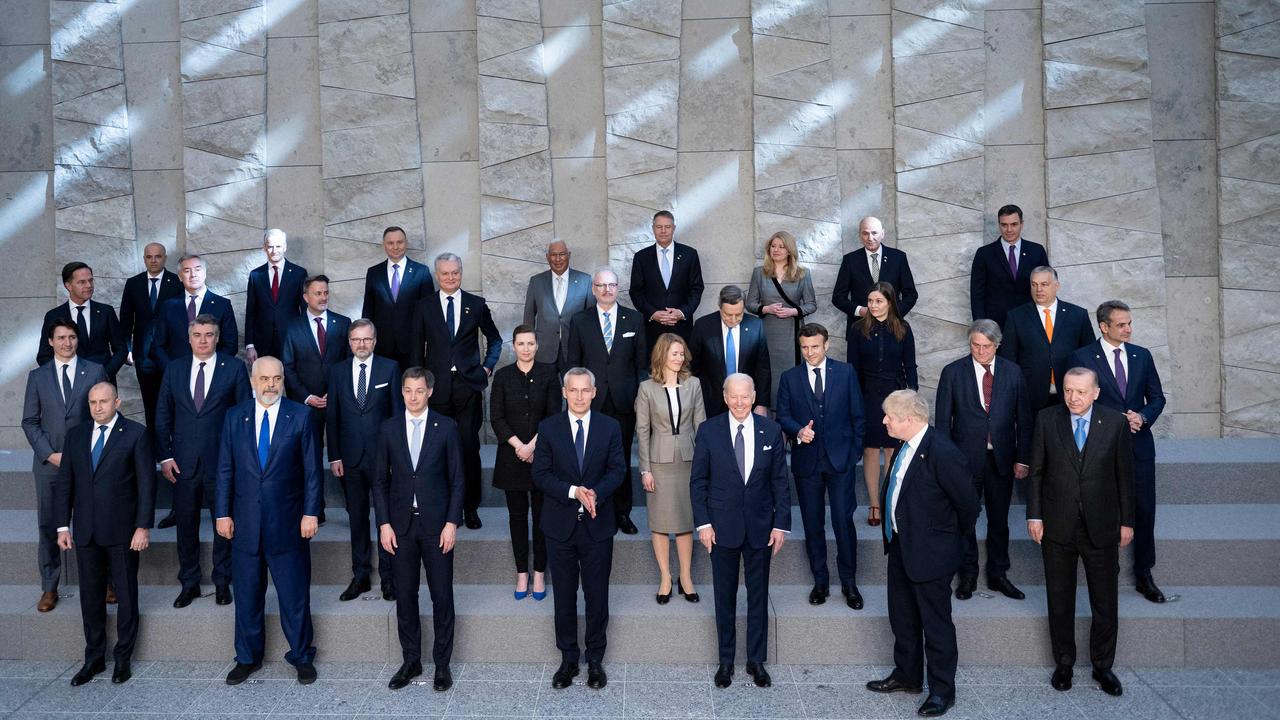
{"points": [[197, 690]]}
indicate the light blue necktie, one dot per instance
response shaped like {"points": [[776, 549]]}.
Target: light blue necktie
{"points": [[888, 496], [1081, 433], [608, 333], [264, 440], [666, 267], [97, 445], [415, 443], [730, 355]]}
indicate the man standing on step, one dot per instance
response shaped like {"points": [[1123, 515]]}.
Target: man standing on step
{"points": [[273, 299], [100, 338], [1041, 335], [392, 289]]}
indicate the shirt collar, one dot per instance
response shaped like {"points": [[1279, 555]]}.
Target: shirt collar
{"points": [[562, 276], [402, 262], [1088, 417], [72, 304], [312, 318], [658, 246], [71, 364], [1051, 307], [918, 438], [195, 361], [586, 419], [613, 310], [978, 366], [456, 294], [151, 277], [409, 416], [820, 366], [748, 425], [1106, 344], [1008, 244], [111, 424], [271, 411]]}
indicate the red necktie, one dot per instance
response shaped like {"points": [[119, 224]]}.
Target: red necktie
{"points": [[320, 335], [275, 284], [988, 381]]}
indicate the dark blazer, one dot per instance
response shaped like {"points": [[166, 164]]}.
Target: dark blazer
{"points": [[552, 326], [352, 430], [517, 403], [706, 348], [110, 503], [993, 291], [839, 424], [958, 414], [435, 478], [740, 512], [393, 319], [618, 372], [649, 295], [437, 351], [137, 317], [1145, 395], [267, 505], [305, 372], [171, 340], [266, 321], [1026, 344], [188, 437], [853, 281], [555, 469], [937, 507], [46, 418], [107, 344], [1096, 484]]}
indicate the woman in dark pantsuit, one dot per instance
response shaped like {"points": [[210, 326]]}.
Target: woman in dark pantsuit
{"points": [[524, 393]]}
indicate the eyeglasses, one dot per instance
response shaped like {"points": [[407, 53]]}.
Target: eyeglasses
{"points": [[605, 286]]}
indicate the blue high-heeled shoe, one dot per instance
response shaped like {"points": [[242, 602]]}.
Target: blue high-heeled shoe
{"points": [[539, 596], [520, 594]]}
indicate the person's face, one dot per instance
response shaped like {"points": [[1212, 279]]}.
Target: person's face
{"points": [[1044, 288], [731, 314], [605, 287], [64, 342], [740, 397], [1078, 393], [814, 349], [675, 357], [203, 339], [1010, 227], [578, 393], [1119, 329], [871, 233], [394, 244], [526, 345], [558, 257], [192, 274], [267, 381], [275, 247], [80, 286], [877, 305], [362, 341], [103, 403], [153, 256], [448, 276], [664, 229], [899, 428], [317, 296], [778, 251], [415, 393], [981, 348]]}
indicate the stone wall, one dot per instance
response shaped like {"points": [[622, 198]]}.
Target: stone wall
{"points": [[1131, 134]]}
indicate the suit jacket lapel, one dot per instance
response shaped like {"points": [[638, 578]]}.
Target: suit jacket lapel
{"points": [[758, 462], [284, 419], [1066, 435], [112, 444], [1106, 373]]}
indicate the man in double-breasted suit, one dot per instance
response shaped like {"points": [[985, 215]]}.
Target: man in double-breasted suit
{"points": [[554, 296], [874, 262], [56, 400], [666, 282], [726, 342], [274, 298], [1041, 335], [742, 513], [315, 341], [982, 407], [609, 340], [1000, 279], [139, 307], [392, 289], [176, 315], [100, 339], [107, 491]]}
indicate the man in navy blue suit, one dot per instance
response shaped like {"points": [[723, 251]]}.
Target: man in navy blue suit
{"points": [[666, 282], [364, 390], [176, 315], [929, 506], [417, 497], [874, 262], [1041, 335], [143, 294], [314, 342], [578, 465], [742, 512], [274, 298], [982, 407], [1130, 383], [195, 395], [268, 499], [730, 330], [392, 289], [820, 409], [100, 337], [1000, 279]]}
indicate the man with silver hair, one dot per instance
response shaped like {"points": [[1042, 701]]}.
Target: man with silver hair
{"points": [[983, 407], [274, 298], [554, 296]]}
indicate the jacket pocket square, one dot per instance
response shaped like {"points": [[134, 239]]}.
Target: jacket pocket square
{"points": [[628, 334], [766, 448], [375, 387]]}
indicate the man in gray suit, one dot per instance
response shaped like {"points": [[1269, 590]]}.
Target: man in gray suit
{"points": [[553, 297], [56, 401]]}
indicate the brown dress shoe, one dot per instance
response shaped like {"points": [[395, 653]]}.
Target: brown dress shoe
{"points": [[47, 601]]}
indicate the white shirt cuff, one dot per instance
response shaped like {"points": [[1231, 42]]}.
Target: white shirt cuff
{"points": [[700, 528], [1035, 520], [573, 492], [788, 532], [64, 529]]}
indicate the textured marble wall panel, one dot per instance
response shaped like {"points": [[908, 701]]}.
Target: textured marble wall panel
{"points": [[77, 184], [648, 190], [85, 144], [448, 96], [512, 101], [293, 102], [941, 257], [20, 317], [863, 89], [1248, 78], [301, 18], [211, 101], [499, 36], [656, 124], [1195, 339], [343, 109], [787, 122], [369, 229], [1067, 84], [581, 209], [243, 138], [1088, 129], [102, 108], [958, 183], [452, 210], [1245, 265], [500, 142], [632, 157], [1088, 177], [867, 187], [193, 9], [575, 91], [777, 56], [661, 16], [859, 7], [335, 10], [812, 199], [86, 33], [360, 196], [946, 300], [1118, 50], [159, 208], [1253, 160], [917, 35], [1180, 41], [208, 234], [1260, 40], [918, 216], [817, 241], [243, 202], [527, 178], [1140, 282], [570, 13], [1188, 206], [355, 41], [154, 104], [112, 217], [715, 86], [924, 77], [812, 83], [1245, 199], [1250, 402], [1065, 19], [1135, 211], [499, 216], [918, 149], [777, 165], [202, 169], [1080, 243], [714, 212], [243, 31], [1244, 121], [625, 45], [442, 15], [529, 244], [706, 9], [641, 87], [390, 75], [1015, 175], [70, 80], [364, 150], [796, 19], [958, 116], [26, 23], [295, 202], [1014, 85]]}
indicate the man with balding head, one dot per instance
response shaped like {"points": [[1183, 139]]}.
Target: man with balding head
{"points": [[143, 294], [874, 262], [273, 299], [554, 296]]}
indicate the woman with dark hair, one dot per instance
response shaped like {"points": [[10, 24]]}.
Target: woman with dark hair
{"points": [[524, 393], [781, 293], [883, 351]]}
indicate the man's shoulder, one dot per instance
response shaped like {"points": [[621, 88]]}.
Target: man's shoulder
{"points": [[685, 248], [705, 324], [955, 366]]}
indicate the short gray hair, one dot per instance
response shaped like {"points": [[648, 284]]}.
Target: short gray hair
{"points": [[906, 404], [603, 268], [274, 233], [731, 295], [1108, 307], [192, 256], [578, 372], [363, 323], [1081, 372], [448, 257], [1045, 269], [739, 377], [988, 329]]}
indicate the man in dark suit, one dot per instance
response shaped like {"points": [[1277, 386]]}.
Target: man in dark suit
{"points": [[364, 390], [982, 407], [100, 338], [195, 395], [55, 402], [929, 506], [608, 339], [874, 262], [578, 464], [666, 282], [274, 298], [417, 497], [726, 342], [1080, 508], [143, 294], [314, 342], [742, 512], [554, 296], [176, 315], [1129, 383], [820, 409], [392, 290], [1041, 336], [446, 340], [107, 487], [268, 499], [1000, 279]]}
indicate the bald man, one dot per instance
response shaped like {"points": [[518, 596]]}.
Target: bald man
{"points": [[143, 294], [872, 263]]}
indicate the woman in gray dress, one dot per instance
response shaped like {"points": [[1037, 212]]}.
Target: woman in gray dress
{"points": [[781, 293], [669, 410]]}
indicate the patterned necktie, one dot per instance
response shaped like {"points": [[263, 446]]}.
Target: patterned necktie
{"points": [[97, 445], [155, 292], [875, 267], [1013, 262], [608, 333], [740, 452], [1122, 380], [275, 284], [818, 393], [888, 493], [264, 440], [988, 382], [448, 317], [191, 309], [320, 336], [362, 394], [666, 267], [415, 443], [395, 281], [1081, 434], [82, 327], [730, 354], [66, 385], [580, 443], [198, 397]]}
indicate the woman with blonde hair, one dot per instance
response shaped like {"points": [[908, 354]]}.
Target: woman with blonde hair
{"points": [[669, 409], [781, 293]]}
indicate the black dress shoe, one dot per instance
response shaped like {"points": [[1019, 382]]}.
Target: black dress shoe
{"points": [[892, 684], [626, 526], [1109, 683], [966, 586], [406, 673], [1147, 588], [759, 675], [443, 679], [354, 589], [472, 521], [222, 595], [121, 673], [564, 676], [935, 706], [663, 598], [306, 673], [388, 592], [852, 597], [818, 595], [241, 672], [86, 673], [1061, 680], [1006, 588], [596, 677], [186, 596], [689, 597], [167, 521], [724, 676]]}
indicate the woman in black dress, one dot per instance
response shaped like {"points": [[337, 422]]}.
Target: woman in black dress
{"points": [[883, 352], [524, 393]]}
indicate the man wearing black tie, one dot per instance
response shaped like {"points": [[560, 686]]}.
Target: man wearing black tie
{"points": [[100, 338], [392, 289], [143, 294]]}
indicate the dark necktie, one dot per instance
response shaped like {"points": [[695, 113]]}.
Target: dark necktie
{"points": [[1122, 380], [580, 444], [82, 327], [818, 393], [66, 385], [448, 316], [362, 395], [275, 284], [197, 398], [155, 292], [1013, 262], [264, 440], [97, 445], [988, 383], [191, 309], [740, 452], [320, 337]]}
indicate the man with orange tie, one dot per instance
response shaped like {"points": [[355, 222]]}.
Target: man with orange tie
{"points": [[1041, 335]]}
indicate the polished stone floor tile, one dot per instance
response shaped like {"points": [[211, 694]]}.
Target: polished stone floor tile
{"points": [[578, 700], [646, 699], [744, 700], [1213, 703]]}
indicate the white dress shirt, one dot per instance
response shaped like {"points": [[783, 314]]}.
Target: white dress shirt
{"points": [[736, 332], [208, 374], [573, 434], [826, 379], [355, 376], [907, 455], [88, 310], [613, 318], [93, 439], [408, 434], [70, 365], [1109, 356], [560, 289], [1017, 251], [403, 263], [457, 307]]}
